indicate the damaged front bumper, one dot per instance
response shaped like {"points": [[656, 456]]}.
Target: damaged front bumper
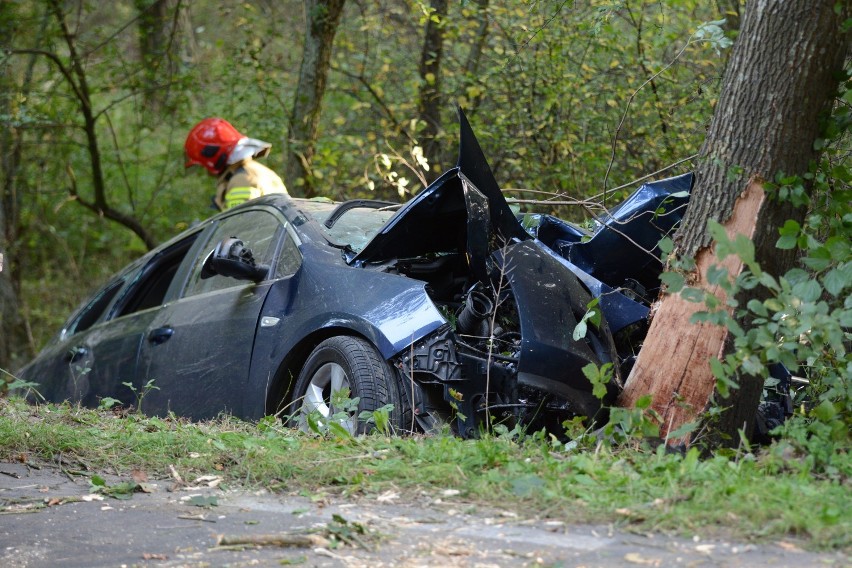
{"points": [[509, 355]]}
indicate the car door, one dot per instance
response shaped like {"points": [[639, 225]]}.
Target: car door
{"points": [[197, 350], [63, 371], [99, 348]]}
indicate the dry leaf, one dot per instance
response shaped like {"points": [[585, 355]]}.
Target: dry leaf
{"points": [[387, 497], [788, 546], [636, 558], [175, 474]]}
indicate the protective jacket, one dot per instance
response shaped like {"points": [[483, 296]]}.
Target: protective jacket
{"points": [[246, 180]]}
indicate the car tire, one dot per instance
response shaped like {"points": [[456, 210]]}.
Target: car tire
{"points": [[346, 362]]}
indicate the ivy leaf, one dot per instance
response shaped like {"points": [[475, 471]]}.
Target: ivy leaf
{"points": [[808, 291], [744, 248], [644, 402], [580, 330], [769, 281], [717, 275], [674, 281], [684, 430], [590, 316], [789, 235], [825, 411], [692, 295], [757, 307], [786, 242], [837, 279], [818, 259]]}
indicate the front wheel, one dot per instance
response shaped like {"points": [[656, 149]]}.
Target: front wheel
{"points": [[346, 363]]}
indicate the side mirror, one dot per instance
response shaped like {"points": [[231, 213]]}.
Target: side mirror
{"points": [[232, 258]]}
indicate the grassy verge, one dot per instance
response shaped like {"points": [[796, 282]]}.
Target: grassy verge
{"points": [[753, 498]]}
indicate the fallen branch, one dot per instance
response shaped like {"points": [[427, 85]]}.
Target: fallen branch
{"points": [[196, 518], [282, 539]]}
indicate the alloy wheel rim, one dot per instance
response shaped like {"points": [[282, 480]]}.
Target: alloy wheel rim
{"points": [[326, 381]]}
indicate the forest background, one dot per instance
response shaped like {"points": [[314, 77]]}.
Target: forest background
{"points": [[572, 101]]}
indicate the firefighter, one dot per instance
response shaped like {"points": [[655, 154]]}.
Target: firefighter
{"points": [[215, 144]]}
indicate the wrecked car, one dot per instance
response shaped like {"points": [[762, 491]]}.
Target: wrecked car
{"points": [[446, 310]]}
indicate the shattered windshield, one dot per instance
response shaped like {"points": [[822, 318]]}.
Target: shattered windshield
{"points": [[356, 227]]}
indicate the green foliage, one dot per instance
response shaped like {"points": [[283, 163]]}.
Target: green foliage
{"points": [[599, 377], [123, 490], [139, 393], [108, 402], [344, 418], [591, 316], [380, 418], [636, 424], [10, 384]]}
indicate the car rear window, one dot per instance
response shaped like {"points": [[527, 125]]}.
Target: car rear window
{"points": [[355, 228]]}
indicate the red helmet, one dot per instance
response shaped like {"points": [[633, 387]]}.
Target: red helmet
{"points": [[209, 143]]}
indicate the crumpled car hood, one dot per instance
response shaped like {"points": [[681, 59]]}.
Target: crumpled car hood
{"points": [[464, 211], [431, 221]]}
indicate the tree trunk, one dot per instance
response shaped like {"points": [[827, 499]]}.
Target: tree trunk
{"points": [[14, 347], [429, 106], [321, 20], [165, 37], [782, 76], [474, 58], [13, 344]]}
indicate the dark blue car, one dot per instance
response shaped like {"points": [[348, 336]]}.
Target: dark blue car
{"points": [[446, 308]]}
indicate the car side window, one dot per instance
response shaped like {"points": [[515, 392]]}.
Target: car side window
{"points": [[153, 281], [93, 311], [289, 258], [259, 231]]}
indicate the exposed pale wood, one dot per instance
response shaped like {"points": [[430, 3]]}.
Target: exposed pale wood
{"points": [[675, 357]]}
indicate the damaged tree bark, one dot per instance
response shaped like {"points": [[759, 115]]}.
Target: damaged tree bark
{"points": [[781, 79]]}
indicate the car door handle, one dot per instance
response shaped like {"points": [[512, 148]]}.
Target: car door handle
{"points": [[160, 335], [75, 353]]}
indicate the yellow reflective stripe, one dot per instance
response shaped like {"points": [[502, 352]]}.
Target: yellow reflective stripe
{"points": [[237, 195]]}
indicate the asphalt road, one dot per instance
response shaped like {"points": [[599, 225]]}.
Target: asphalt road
{"points": [[48, 518]]}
